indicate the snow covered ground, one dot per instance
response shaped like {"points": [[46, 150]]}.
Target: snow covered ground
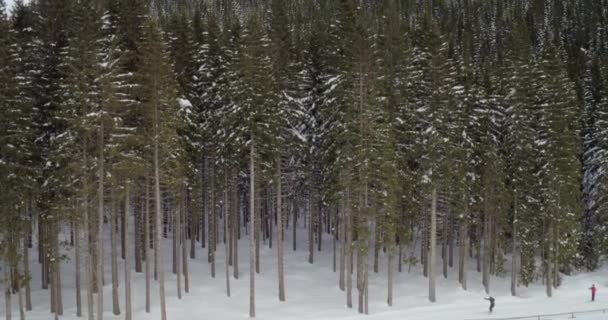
{"points": [[313, 293]]}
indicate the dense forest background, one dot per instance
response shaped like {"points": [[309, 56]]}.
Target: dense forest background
{"points": [[477, 126]]}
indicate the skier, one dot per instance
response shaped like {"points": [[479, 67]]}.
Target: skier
{"points": [[593, 290], [491, 303]]}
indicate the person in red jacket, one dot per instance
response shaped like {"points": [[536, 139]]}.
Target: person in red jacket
{"points": [[593, 290]]}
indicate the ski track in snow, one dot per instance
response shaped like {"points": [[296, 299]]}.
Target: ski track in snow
{"points": [[312, 290]]}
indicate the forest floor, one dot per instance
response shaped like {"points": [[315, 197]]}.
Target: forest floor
{"points": [[312, 291]]}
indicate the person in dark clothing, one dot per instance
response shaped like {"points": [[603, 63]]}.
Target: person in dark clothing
{"points": [[491, 303], [593, 290]]}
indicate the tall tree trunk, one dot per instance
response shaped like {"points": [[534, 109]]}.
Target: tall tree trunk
{"points": [[100, 199], [184, 233], [514, 251], [549, 261], [342, 234], [114, 251], [7, 294], [57, 270], [147, 244], [349, 252], [462, 262], [26, 271], [158, 243], [235, 226], [128, 309], [390, 238], [311, 228], [177, 230], [432, 244], [252, 233], [20, 295], [280, 234], [227, 215], [77, 265], [89, 276], [295, 222], [205, 199], [486, 249], [212, 227]]}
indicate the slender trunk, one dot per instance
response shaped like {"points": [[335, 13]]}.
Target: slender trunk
{"points": [[7, 294], [89, 276], [212, 228], [342, 234], [462, 262], [205, 199], [138, 240], [20, 296], [100, 199], [183, 232], [486, 250], [235, 228], [192, 226], [514, 251], [77, 272], [280, 233], [548, 262], [147, 244], [311, 224], [128, 309], [114, 251], [26, 271], [227, 208], [376, 248], [349, 251], [57, 270], [444, 248], [157, 244], [177, 229], [390, 240], [432, 244], [399, 263], [451, 240], [295, 221], [252, 233]]}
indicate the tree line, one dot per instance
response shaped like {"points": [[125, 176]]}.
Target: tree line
{"points": [[480, 127]]}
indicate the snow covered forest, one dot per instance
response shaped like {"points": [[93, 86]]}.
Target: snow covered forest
{"points": [[447, 136]]}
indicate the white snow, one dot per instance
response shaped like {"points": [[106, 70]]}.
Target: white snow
{"points": [[313, 292]]}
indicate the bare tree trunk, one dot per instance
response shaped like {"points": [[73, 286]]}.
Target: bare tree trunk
{"points": [[311, 228], [147, 244], [462, 262], [400, 262], [89, 276], [20, 296], [227, 215], [349, 251], [57, 270], [252, 233], [212, 228], [26, 271], [280, 234], [7, 294], [548, 262], [486, 249], [342, 233], [390, 237], [432, 244], [158, 243], [77, 273], [205, 199], [184, 230], [100, 199], [128, 309], [114, 251], [514, 251], [295, 221], [444, 248], [235, 228], [177, 229]]}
